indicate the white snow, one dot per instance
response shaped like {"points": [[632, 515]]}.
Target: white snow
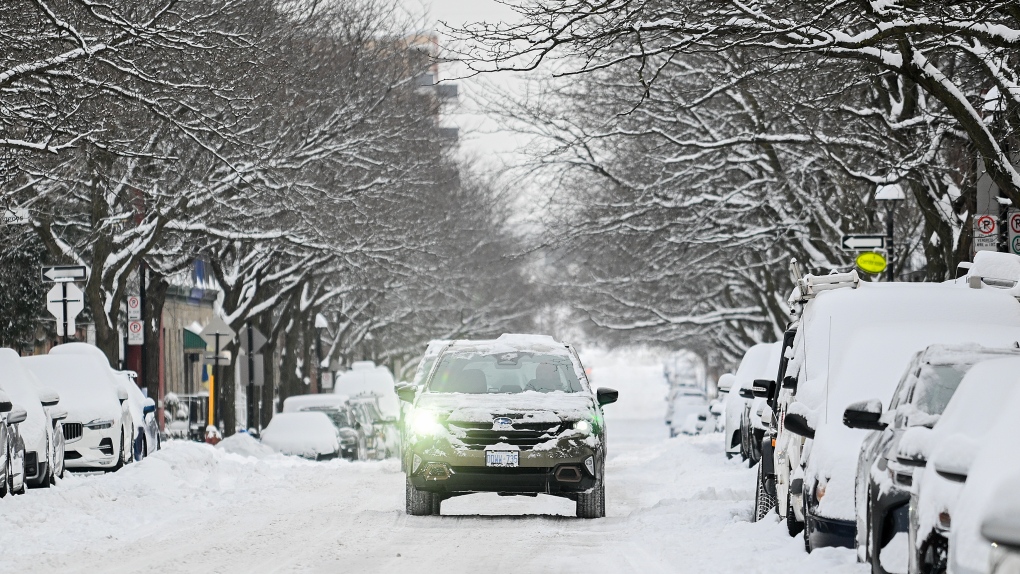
{"points": [[22, 388], [365, 378], [305, 434], [673, 505], [305, 402], [85, 385]]}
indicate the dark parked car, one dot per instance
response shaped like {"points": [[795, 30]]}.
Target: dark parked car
{"points": [[883, 482]]}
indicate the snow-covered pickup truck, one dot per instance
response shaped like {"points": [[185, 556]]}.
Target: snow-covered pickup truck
{"points": [[513, 415]]}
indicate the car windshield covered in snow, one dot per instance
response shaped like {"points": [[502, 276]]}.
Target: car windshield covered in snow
{"points": [[474, 372]]}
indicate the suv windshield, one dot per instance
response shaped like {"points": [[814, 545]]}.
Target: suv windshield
{"points": [[936, 385], [508, 372]]}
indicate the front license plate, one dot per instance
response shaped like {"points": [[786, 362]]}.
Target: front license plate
{"points": [[502, 458]]}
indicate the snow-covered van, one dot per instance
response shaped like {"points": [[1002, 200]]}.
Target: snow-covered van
{"points": [[853, 341]]}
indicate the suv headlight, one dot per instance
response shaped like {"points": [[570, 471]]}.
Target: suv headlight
{"points": [[99, 424], [583, 427], [423, 423]]}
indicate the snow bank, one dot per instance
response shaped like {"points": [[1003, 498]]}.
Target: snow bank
{"points": [[244, 444]]}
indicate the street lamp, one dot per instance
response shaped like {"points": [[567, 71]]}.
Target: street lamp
{"points": [[890, 195]]}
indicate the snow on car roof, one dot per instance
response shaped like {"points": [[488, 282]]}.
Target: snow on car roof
{"points": [[370, 379], [757, 364], [85, 384], [995, 265], [301, 402], [306, 434], [831, 319], [967, 353]]}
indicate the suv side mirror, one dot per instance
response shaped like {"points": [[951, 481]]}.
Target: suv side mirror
{"points": [[58, 414], [725, 383], [5, 403], [762, 388], [17, 415], [913, 447], [864, 415], [954, 458], [406, 392], [798, 424], [606, 396], [149, 407], [48, 398], [790, 382], [121, 395], [746, 393]]}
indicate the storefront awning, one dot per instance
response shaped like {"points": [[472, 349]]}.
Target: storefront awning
{"points": [[193, 342]]}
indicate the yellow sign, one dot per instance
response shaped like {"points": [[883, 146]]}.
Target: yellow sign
{"points": [[871, 262]]}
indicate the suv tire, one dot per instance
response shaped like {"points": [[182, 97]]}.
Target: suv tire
{"points": [[793, 526], [417, 502], [763, 500], [593, 504]]}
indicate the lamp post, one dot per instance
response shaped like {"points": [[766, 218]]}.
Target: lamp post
{"points": [[890, 195]]}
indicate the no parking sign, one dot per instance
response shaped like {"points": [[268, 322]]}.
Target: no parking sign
{"points": [[1013, 221]]}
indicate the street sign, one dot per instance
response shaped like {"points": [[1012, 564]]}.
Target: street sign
{"points": [[871, 262], [136, 333], [1013, 220], [986, 233], [214, 359], [258, 340], [14, 216], [863, 242], [259, 374], [65, 301], [217, 333], [58, 273], [134, 304]]}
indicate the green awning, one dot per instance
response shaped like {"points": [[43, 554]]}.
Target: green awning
{"points": [[193, 342]]}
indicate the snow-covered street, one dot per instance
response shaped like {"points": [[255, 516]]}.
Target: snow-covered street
{"points": [[674, 505]]}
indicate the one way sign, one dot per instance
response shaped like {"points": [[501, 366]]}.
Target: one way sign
{"points": [[863, 242]]}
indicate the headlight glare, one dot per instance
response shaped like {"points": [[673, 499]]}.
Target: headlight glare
{"points": [[584, 427], [423, 423]]}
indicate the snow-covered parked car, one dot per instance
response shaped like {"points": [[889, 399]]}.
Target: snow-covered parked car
{"points": [[308, 434], [41, 430], [853, 341], [948, 450], [515, 416], [996, 543], [372, 392], [688, 411], [145, 433], [98, 430], [340, 411], [757, 413], [751, 367], [12, 447], [883, 482]]}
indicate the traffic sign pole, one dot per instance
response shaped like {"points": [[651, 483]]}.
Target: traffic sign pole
{"points": [[63, 303]]}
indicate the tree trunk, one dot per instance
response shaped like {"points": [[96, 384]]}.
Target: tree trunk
{"points": [[155, 296]]}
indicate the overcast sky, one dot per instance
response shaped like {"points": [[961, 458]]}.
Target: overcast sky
{"points": [[481, 136]]}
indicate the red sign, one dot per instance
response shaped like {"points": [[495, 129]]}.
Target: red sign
{"points": [[1014, 222], [986, 225]]}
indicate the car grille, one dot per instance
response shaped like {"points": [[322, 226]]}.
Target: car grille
{"points": [[72, 431], [477, 436]]}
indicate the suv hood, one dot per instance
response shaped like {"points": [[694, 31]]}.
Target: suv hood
{"points": [[530, 406]]}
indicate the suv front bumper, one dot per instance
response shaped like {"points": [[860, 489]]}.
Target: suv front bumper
{"points": [[538, 472]]}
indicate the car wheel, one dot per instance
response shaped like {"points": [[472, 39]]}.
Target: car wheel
{"points": [[934, 555], [437, 504], [763, 501], [593, 504], [793, 526], [417, 502], [120, 454], [5, 486]]}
